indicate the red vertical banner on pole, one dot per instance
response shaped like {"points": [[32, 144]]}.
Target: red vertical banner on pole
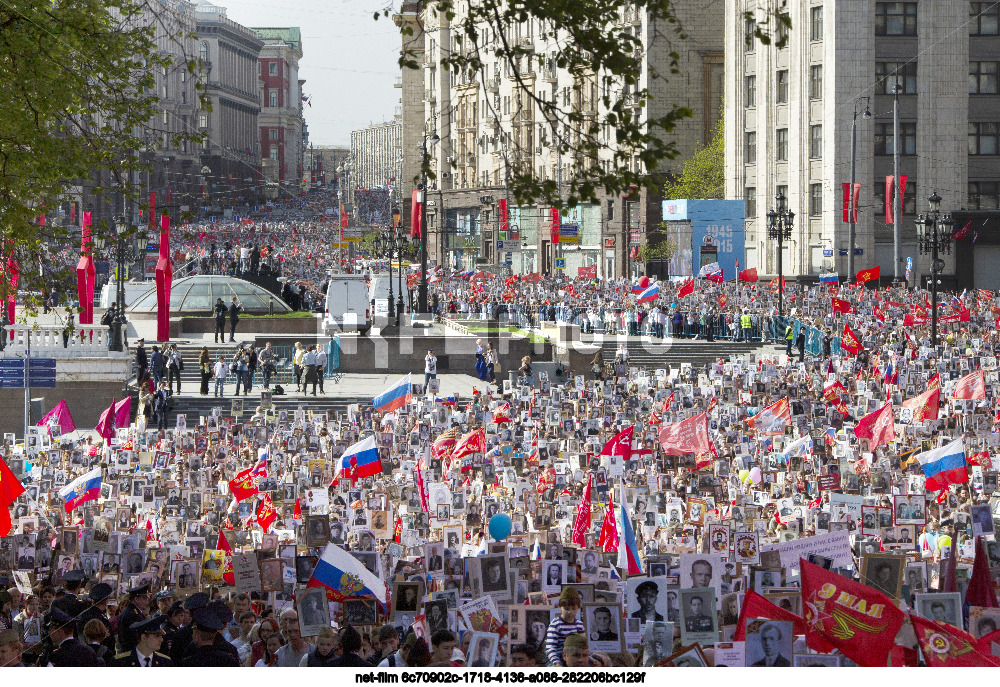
{"points": [[554, 229], [855, 197], [164, 277], [85, 274], [416, 213], [902, 194], [846, 186], [889, 201], [502, 211], [152, 211]]}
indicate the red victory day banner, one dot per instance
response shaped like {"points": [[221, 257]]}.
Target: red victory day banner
{"points": [[619, 445], [474, 442], [772, 420], [925, 406], [747, 274], [870, 274], [859, 621], [686, 436], [877, 426], [842, 306], [243, 486], [946, 646], [849, 340], [266, 515], [832, 392], [582, 523], [971, 386], [687, 289]]}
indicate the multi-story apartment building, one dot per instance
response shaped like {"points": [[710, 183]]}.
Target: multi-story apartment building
{"points": [[488, 125], [282, 126], [790, 114], [230, 155], [374, 170]]}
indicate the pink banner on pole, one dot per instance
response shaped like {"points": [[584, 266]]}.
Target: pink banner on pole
{"points": [[85, 274], [12, 277], [164, 277]]}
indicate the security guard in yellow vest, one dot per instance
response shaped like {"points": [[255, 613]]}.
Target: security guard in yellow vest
{"points": [[745, 323], [789, 337]]}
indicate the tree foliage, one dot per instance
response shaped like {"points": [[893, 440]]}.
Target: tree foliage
{"points": [[589, 40], [704, 174], [78, 104]]}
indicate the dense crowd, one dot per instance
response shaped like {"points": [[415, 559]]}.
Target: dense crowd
{"points": [[737, 513]]}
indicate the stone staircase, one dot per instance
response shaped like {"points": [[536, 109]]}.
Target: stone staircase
{"points": [[655, 353]]}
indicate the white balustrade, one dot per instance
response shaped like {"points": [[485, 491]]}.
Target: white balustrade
{"points": [[86, 341]]}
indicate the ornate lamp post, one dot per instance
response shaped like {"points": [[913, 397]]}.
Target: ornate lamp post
{"points": [[126, 246], [933, 238], [779, 228]]}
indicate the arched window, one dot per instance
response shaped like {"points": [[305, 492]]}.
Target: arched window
{"points": [[203, 51]]}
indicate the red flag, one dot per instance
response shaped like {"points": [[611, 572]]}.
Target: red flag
{"points": [[687, 289], [397, 531], [608, 541], [10, 489], [654, 418], [581, 525], [870, 274], [756, 606], [846, 188], [619, 445], [686, 436], [421, 488], [416, 213], [473, 442], [266, 515], [297, 513], [832, 393], [946, 646], [859, 621], [243, 485], [441, 449], [105, 424], [554, 225], [849, 341], [889, 202], [747, 275], [963, 232], [773, 284], [772, 420], [971, 386], [855, 197], [926, 405], [722, 300], [223, 545], [980, 591], [841, 306], [502, 413], [877, 426]]}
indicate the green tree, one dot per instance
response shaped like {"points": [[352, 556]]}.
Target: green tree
{"points": [[703, 175], [659, 246], [78, 103], [597, 136]]}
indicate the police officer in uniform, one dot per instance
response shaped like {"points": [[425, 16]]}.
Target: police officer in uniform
{"points": [[149, 634], [69, 603], [177, 619], [99, 595], [134, 611], [180, 640], [207, 624], [68, 652]]}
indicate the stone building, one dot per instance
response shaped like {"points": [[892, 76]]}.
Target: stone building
{"points": [[283, 136]]}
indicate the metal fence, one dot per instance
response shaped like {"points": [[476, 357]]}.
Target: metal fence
{"points": [[285, 372], [814, 336]]}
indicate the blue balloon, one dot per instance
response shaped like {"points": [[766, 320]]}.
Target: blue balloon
{"points": [[500, 526]]}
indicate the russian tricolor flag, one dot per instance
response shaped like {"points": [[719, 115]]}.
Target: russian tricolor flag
{"points": [[829, 278], [345, 576], [628, 550], [651, 293], [451, 400], [944, 466], [395, 397], [84, 488], [360, 460]]}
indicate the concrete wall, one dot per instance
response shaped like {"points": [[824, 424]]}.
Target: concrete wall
{"points": [[86, 401]]}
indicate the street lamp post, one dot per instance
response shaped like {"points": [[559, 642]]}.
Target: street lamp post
{"points": [[125, 245], [854, 150], [779, 228], [400, 244], [425, 157], [933, 238], [385, 246]]}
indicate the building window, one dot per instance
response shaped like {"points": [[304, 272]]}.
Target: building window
{"points": [[895, 19], [202, 121], [816, 81], [203, 52], [274, 153], [982, 77], [815, 200], [888, 74], [783, 192], [750, 202], [816, 23], [984, 195], [909, 199], [983, 138], [907, 138], [272, 134], [272, 68], [750, 33], [750, 148], [782, 86], [984, 19], [750, 91], [816, 141], [272, 98], [781, 145]]}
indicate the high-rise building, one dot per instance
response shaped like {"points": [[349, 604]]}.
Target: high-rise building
{"points": [[790, 114], [230, 155], [282, 125], [375, 168]]}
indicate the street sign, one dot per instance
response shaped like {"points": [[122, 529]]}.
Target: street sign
{"points": [[509, 246], [12, 373], [827, 252], [560, 263], [41, 373], [569, 233], [509, 259], [857, 251]]}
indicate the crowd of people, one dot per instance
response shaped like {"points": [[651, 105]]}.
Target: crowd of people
{"points": [[676, 515]]}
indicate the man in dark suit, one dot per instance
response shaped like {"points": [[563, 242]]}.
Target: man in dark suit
{"points": [[68, 652], [206, 626], [69, 603], [134, 611], [770, 638], [98, 610], [146, 653], [141, 361]]}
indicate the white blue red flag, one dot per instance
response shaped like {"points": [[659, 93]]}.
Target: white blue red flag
{"points": [[360, 460], [628, 550], [84, 488], [829, 278], [651, 293], [345, 576], [395, 397], [944, 466]]}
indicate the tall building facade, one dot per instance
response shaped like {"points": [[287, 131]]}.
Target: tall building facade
{"points": [[230, 155], [282, 125], [371, 181], [489, 126], [790, 114]]}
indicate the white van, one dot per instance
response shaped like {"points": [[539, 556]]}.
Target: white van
{"points": [[378, 295], [348, 308]]}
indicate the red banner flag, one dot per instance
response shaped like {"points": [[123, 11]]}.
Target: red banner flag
{"points": [[222, 544], [10, 489], [832, 393], [747, 275], [946, 646], [870, 274], [846, 188], [877, 426], [243, 486], [687, 289], [859, 621], [972, 386], [772, 420], [554, 228], [686, 436], [889, 202], [842, 306], [397, 531], [473, 442], [756, 606], [854, 204], [849, 340], [926, 405], [581, 524], [608, 541], [958, 234], [266, 515], [619, 445], [416, 213]]}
